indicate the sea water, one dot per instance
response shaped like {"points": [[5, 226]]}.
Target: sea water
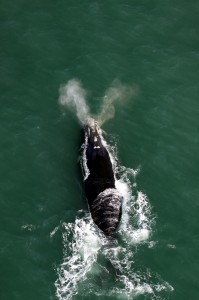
{"points": [[134, 66]]}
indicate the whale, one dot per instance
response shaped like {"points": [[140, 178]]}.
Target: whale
{"points": [[104, 200]]}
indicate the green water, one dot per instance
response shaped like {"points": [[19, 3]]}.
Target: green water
{"points": [[152, 45]]}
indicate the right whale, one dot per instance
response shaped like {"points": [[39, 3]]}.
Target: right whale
{"points": [[103, 198]]}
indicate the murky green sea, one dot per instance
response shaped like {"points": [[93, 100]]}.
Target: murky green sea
{"points": [[49, 247]]}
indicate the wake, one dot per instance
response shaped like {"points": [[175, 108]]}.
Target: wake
{"points": [[93, 264]]}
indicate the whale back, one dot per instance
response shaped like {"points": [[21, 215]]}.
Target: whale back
{"points": [[106, 210]]}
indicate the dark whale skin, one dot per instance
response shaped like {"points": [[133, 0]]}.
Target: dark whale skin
{"points": [[103, 198]]}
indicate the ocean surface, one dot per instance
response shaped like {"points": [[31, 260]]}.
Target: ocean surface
{"points": [[133, 65]]}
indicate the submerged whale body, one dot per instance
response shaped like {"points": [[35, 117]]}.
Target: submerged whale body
{"points": [[103, 198]]}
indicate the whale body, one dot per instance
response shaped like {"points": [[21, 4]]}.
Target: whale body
{"points": [[103, 198]]}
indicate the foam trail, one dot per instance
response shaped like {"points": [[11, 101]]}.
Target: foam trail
{"points": [[117, 92], [72, 95], [81, 247]]}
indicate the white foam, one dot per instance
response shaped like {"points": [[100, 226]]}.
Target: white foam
{"points": [[83, 242], [171, 246], [140, 235], [136, 213], [142, 210], [85, 169], [134, 282], [29, 227], [53, 232], [81, 245]]}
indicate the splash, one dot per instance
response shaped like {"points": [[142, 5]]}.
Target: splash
{"points": [[72, 95], [81, 245]]}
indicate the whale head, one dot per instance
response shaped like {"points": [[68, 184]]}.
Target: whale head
{"points": [[93, 132]]}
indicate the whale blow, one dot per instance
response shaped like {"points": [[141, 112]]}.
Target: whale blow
{"points": [[103, 198]]}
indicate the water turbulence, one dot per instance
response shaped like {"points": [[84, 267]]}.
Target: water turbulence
{"points": [[94, 264]]}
